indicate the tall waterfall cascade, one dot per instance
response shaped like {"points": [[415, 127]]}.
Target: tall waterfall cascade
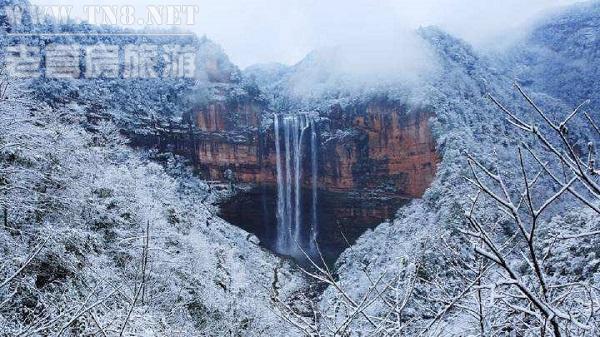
{"points": [[296, 145]]}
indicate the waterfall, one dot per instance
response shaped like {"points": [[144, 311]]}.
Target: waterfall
{"points": [[290, 144], [314, 172], [281, 242]]}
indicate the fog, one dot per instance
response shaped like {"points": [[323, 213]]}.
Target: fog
{"points": [[260, 31], [393, 56]]}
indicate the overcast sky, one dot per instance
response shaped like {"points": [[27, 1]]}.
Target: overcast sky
{"points": [[258, 31]]}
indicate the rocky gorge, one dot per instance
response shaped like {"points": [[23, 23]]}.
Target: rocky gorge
{"points": [[371, 157], [434, 180]]}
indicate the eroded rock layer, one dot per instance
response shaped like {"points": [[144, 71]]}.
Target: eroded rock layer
{"points": [[372, 157], [378, 146]]}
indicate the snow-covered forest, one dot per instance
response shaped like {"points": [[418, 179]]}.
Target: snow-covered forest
{"points": [[110, 210]]}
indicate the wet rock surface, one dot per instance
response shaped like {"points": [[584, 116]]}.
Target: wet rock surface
{"points": [[342, 216], [372, 157]]}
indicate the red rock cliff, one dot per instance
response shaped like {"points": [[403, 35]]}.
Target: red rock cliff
{"points": [[376, 146]]}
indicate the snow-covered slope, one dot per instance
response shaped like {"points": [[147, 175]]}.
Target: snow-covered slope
{"points": [[82, 203], [560, 55], [423, 248], [123, 239]]}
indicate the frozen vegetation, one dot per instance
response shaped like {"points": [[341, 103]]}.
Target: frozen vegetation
{"points": [[102, 239], [99, 238]]}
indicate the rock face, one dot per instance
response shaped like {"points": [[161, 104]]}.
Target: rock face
{"points": [[229, 137], [372, 157], [378, 146], [388, 149], [255, 211]]}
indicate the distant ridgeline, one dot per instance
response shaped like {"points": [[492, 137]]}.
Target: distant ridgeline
{"points": [[560, 56]]}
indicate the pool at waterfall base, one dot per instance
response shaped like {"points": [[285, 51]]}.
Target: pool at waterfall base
{"points": [[342, 217]]}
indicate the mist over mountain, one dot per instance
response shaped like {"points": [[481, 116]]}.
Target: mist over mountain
{"points": [[558, 55]]}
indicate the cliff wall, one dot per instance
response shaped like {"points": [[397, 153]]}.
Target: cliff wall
{"points": [[372, 147]]}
